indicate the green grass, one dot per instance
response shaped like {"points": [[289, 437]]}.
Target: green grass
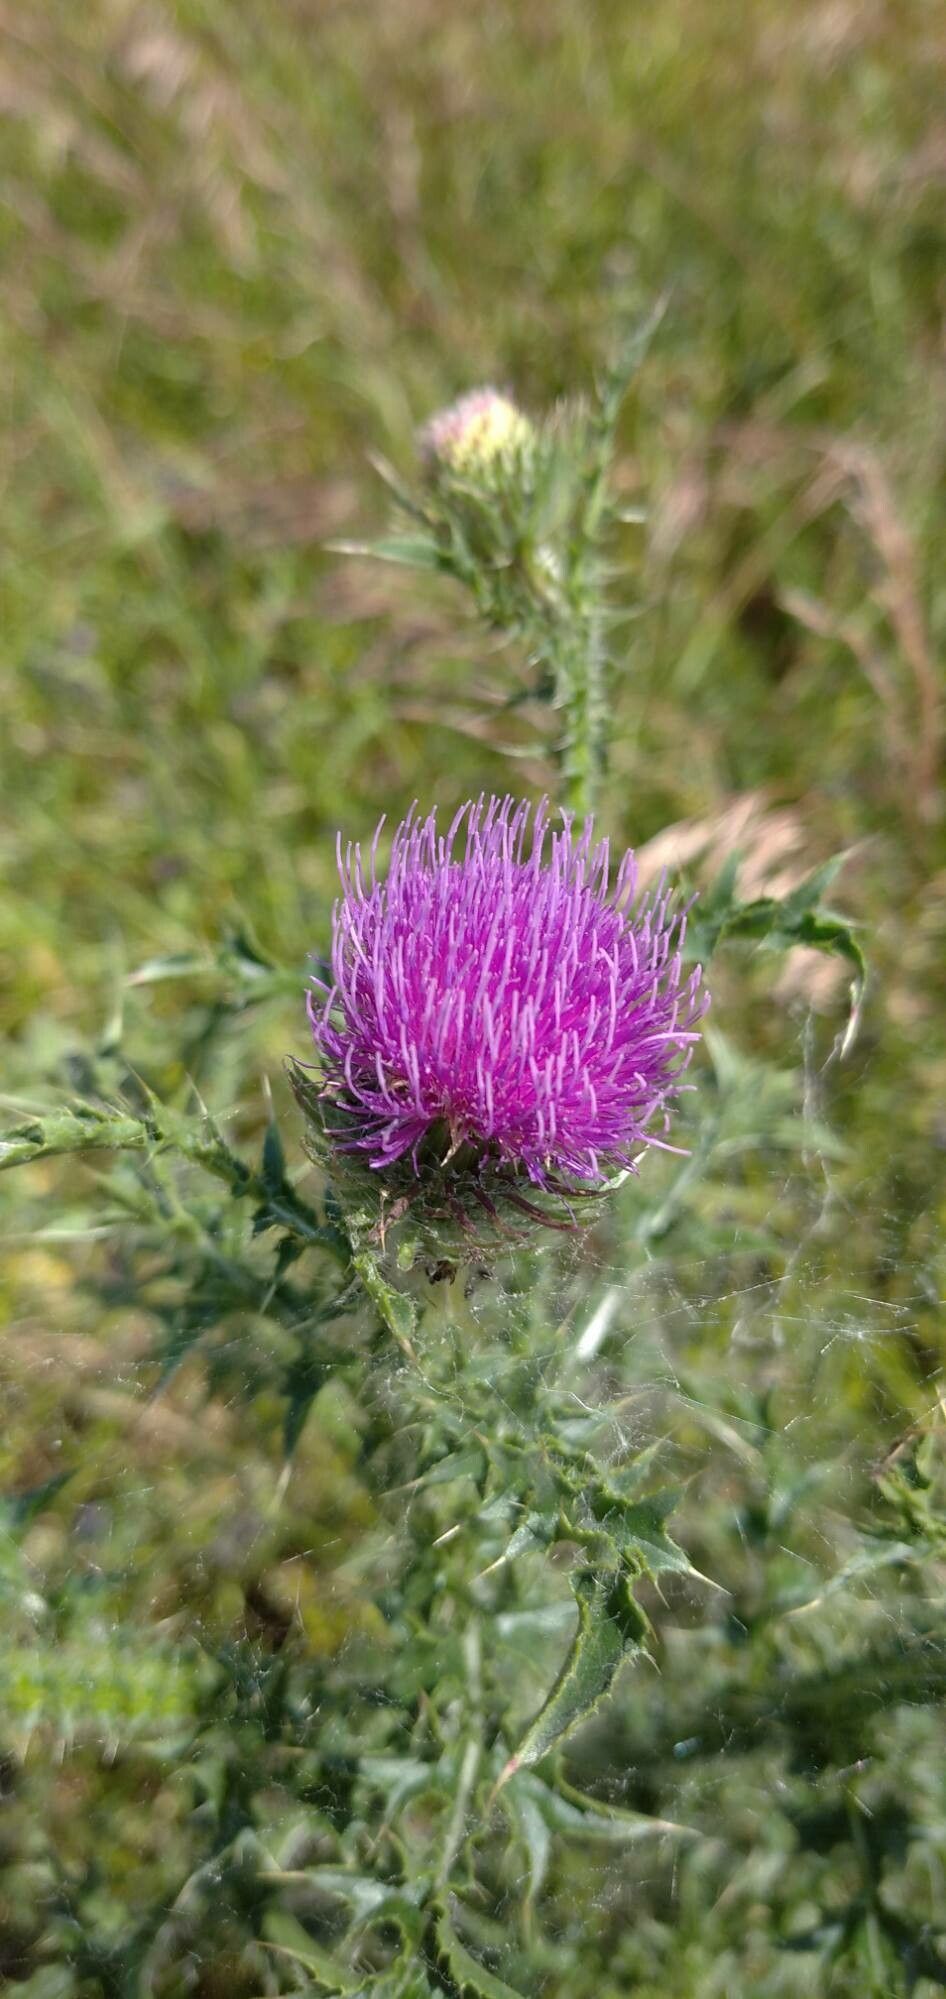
{"points": [[246, 246]]}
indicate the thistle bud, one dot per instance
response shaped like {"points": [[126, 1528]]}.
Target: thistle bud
{"points": [[475, 434]]}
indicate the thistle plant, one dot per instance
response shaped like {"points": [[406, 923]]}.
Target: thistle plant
{"points": [[498, 1041], [519, 513]]}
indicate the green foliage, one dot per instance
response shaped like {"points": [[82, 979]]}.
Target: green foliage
{"points": [[355, 1805], [346, 1648], [609, 1625], [796, 918]]}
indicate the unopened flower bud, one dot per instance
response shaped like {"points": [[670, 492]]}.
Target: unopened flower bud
{"points": [[474, 433]]}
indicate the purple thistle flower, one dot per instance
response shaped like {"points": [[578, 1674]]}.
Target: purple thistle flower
{"points": [[495, 985]]}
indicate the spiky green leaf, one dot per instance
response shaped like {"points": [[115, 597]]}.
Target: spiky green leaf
{"points": [[610, 1625]]}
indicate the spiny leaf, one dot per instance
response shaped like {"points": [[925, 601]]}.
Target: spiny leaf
{"points": [[393, 1307], [634, 1529], [273, 1159], [370, 1900], [457, 1464], [809, 892], [530, 1818], [80, 1129], [572, 1814], [536, 1531], [780, 924], [638, 1528], [464, 1977], [285, 1936], [414, 551], [610, 1624]]}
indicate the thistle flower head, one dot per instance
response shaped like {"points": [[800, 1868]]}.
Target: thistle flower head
{"points": [[474, 432], [497, 988]]}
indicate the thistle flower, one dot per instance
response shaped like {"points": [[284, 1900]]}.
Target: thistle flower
{"points": [[497, 992], [469, 436]]}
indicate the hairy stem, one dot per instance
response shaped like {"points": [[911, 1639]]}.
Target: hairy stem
{"points": [[582, 682], [88, 1129]]}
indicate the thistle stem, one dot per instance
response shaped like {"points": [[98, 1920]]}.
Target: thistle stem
{"points": [[582, 680], [46, 1137], [568, 637]]}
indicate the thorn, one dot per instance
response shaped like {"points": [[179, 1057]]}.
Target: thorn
{"points": [[508, 1770]]}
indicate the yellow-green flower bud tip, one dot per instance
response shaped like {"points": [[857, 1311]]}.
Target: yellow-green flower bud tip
{"points": [[474, 432]]}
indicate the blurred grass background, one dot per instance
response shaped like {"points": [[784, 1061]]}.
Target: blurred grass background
{"points": [[244, 246]]}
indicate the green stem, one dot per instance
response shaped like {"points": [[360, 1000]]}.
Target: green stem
{"points": [[92, 1130], [582, 680], [567, 636]]}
